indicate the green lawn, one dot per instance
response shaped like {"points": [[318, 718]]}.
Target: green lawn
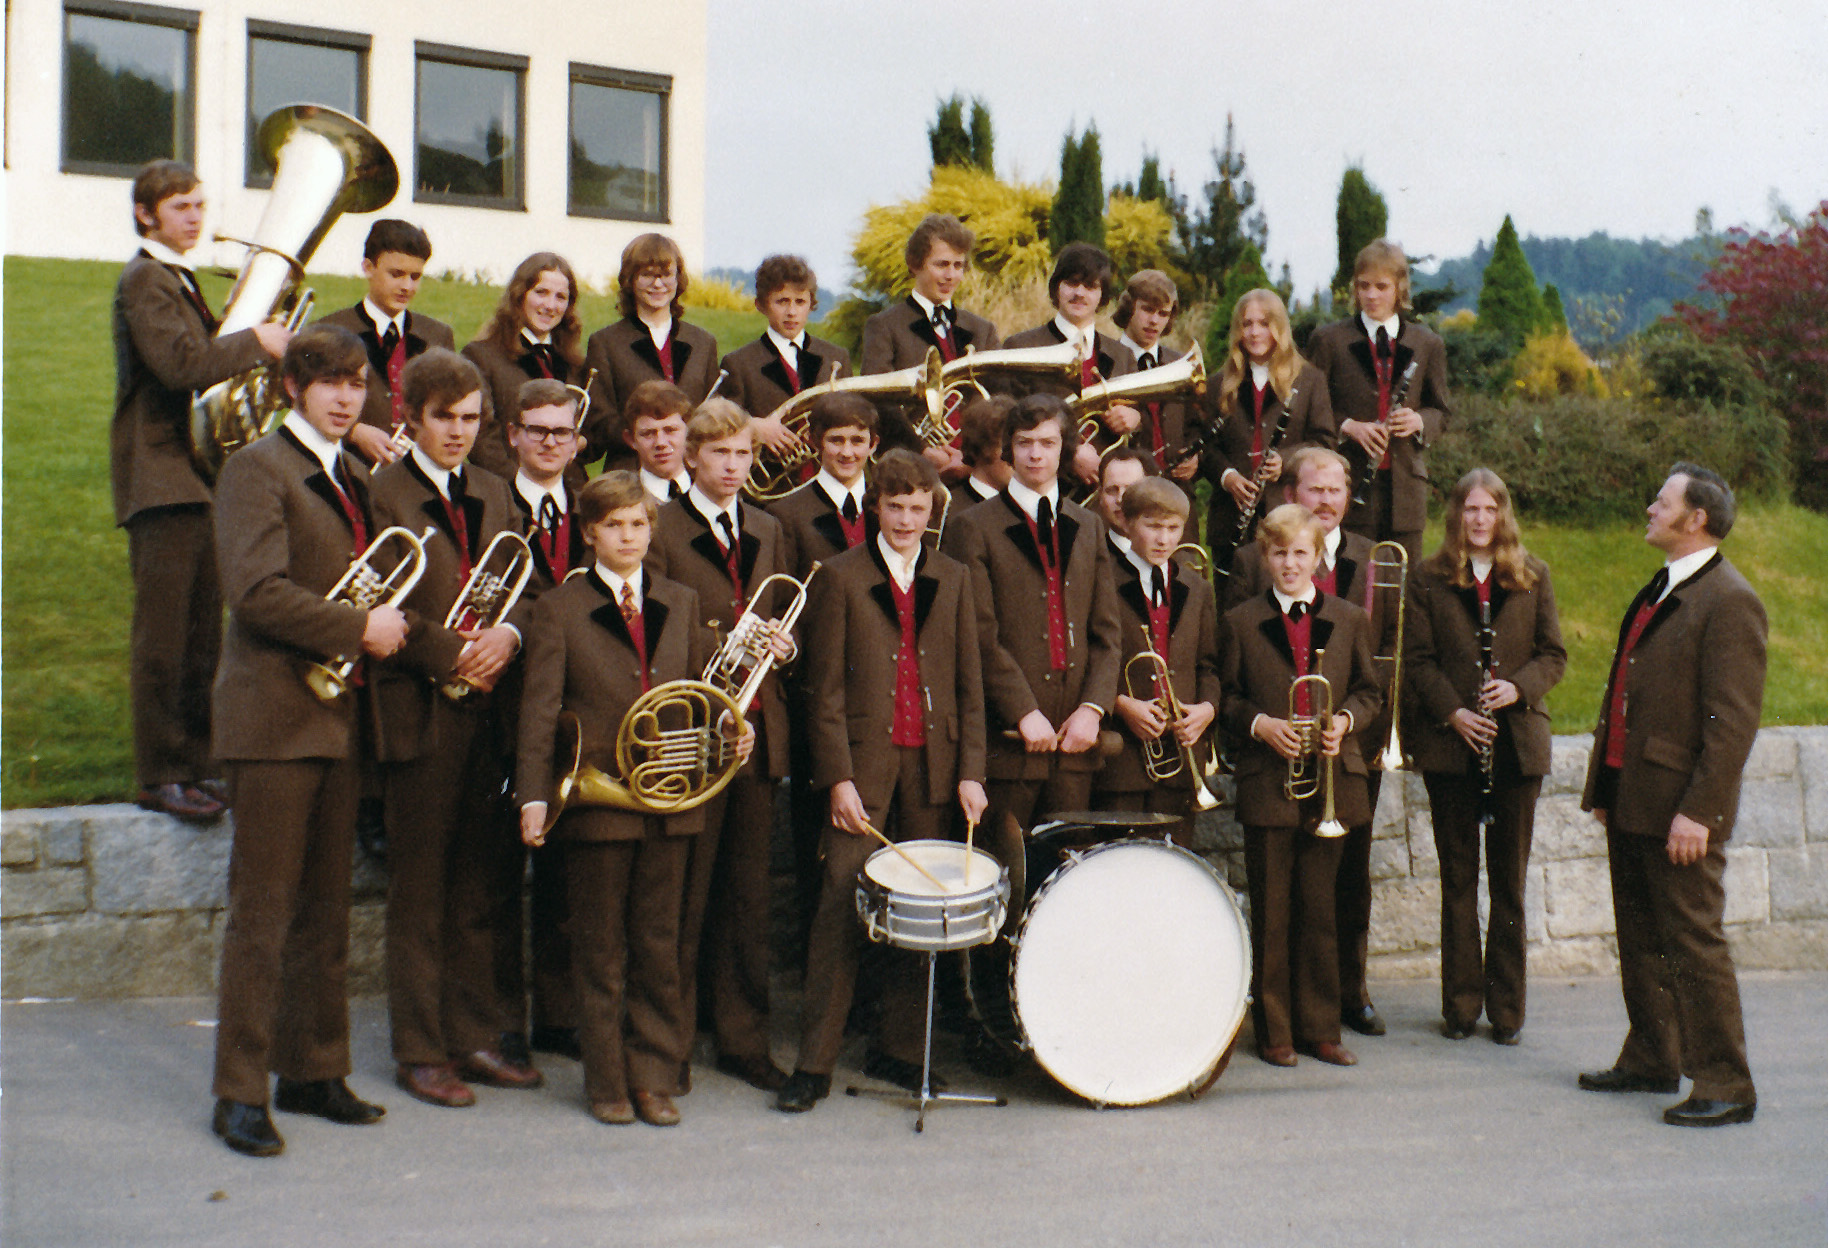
{"points": [[64, 733]]}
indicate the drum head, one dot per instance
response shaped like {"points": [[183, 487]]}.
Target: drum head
{"points": [[1132, 972], [944, 860]]}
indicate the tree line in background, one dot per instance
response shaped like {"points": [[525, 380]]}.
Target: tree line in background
{"points": [[1598, 377]]}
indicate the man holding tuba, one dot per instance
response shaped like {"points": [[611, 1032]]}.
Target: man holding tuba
{"points": [[165, 349]]}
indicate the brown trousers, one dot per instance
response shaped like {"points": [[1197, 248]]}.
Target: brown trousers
{"points": [[837, 934], [445, 831], [281, 1003], [1295, 961], [176, 639], [1493, 984], [1676, 969], [633, 1023], [724, 936]]}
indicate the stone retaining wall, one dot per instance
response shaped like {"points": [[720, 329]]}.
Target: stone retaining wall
{"points": [[110, 901]]}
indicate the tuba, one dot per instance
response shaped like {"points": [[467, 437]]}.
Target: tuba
{"points": [[1390, 571], [325, 164], [774, 476], [494, 587], [968, 372], [1184, 376], [1311, 772], [1161, 759], [365, 588]]}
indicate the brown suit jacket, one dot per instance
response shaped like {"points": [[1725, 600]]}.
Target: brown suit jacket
{"points": [[581, 658], [1343, 353], [422, 333], [758, 382], [1228, 444], [1193, 664], [811, 529], [685, 550], [502, 376], [1257, 669], [1010, 588], [1178, 417], [1441, 669], [624, 356], [405, 689], [164, 351], [853, 640], [899, 337], [282, 542], [1694, 689]]}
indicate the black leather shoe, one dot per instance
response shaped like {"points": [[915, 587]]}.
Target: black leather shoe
{"points": [[246, 1129], [1698, 1112], [183, 801], [1616, 1080], [801, 1092], [1504, 1035], [991, 1057], [902, 1074], [1457, 1031], [757, 1072], [326, 1098], [1365, 1020], [560, 1040]]}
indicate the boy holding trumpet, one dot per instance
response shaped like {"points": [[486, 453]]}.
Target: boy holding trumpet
{"points": [[1301, 778]]}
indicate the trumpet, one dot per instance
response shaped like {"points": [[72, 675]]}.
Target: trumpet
{"points": [[1186, 375], [365, 588], [774, 476], [1390, 571], [1162, 761], [488, 596], [1311, 771], [745, 658]]}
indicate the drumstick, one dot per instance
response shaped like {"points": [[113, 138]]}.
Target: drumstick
{"points": [[970, 831], [904, 856]]}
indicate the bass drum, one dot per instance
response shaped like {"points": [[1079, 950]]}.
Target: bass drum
{"points": [[1131, 972]]}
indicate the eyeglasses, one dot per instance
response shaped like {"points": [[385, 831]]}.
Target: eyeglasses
{"points": [[560, 434]]}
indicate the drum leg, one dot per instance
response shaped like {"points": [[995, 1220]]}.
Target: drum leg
{"points": [[927, 1096]]}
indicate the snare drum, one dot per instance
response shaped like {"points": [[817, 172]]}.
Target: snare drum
{"points": [[900, 906], [1131, 972]]}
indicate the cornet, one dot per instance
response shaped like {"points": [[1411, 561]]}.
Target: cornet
{"points": [[1390, 570], [1311, 771], [1162, 760], [365, 588], [494, 587]]}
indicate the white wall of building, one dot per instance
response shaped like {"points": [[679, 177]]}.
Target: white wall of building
{"points": [[52, 213]]}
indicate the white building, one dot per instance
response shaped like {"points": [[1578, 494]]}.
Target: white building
{"points": [[563, 125]]}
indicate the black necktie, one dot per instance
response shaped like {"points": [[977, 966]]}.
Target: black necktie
{"points": [[390, 340], [1146, 363], [673, 491], [1158, 585], [850, 509], [723, 518], [1296, 610], [549, 514], [456, 486], [1658, 584], [1383, 343], [1044, 528]]}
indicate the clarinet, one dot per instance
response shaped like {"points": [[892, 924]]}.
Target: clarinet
{"points": [[1488, 753], [1361, 497], [1260, 478]]}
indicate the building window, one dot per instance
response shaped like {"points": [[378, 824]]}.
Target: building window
{"points": [[128, 93], [471, 133], [618, 143], [301, 65]]}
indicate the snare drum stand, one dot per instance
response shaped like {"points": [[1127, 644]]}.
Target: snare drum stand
{"points": [[927, 1096]]}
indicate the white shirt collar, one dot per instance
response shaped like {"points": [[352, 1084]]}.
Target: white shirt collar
{"points": [[1121, 542], [1145, 568], [382, 320], [440, 477], [326, 451], [1393, 326], [657, 484], [165, 255], [926, 305], [983, 489], [1284, 601], [710, 511], [1259, 375], [1138, 350], [785, 345], [1085, 339], [615, 584], [838, 492], [1330, 545], [1681, 569], [1482, 566], [901, 569], [538, 340], [660, 333], [1028, 499], [535, 493]]}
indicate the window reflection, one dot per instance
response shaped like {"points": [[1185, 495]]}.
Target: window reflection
{"points": [[127, 91], [469, 132], [618, 151]]}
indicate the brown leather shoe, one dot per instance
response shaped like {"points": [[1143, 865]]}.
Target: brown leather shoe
{"points": [[656, 1109], [1331, 1052], [184, 801], [491, 1069], [616, 1113], [1278, 1055], [435, 1083], [758, 1072]]}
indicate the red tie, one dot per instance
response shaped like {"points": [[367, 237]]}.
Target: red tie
{"points": [[637, 632], [793, 374], [395, 348]]}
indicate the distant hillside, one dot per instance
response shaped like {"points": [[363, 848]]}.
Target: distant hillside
{"points": [[744, 280], [1646, 275]]}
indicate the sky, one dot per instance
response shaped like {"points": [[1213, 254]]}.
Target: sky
{"points": [[1622, 117]]}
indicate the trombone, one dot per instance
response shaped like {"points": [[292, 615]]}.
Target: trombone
{"points": [[1162, 760], [365, 588], [1390, 571], [1311, 771], [488, 596]]}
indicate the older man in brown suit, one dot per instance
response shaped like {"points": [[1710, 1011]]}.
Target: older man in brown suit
{"points": [[1681, 711], [164, 351]]}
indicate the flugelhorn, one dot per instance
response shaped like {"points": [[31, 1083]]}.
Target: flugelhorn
{"points": [[1311, 771], [1185, 376], [325, 163], [495, 585], [1390, 571], [1163, 758], [746, 656], [774, 476], [365, 587]]}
